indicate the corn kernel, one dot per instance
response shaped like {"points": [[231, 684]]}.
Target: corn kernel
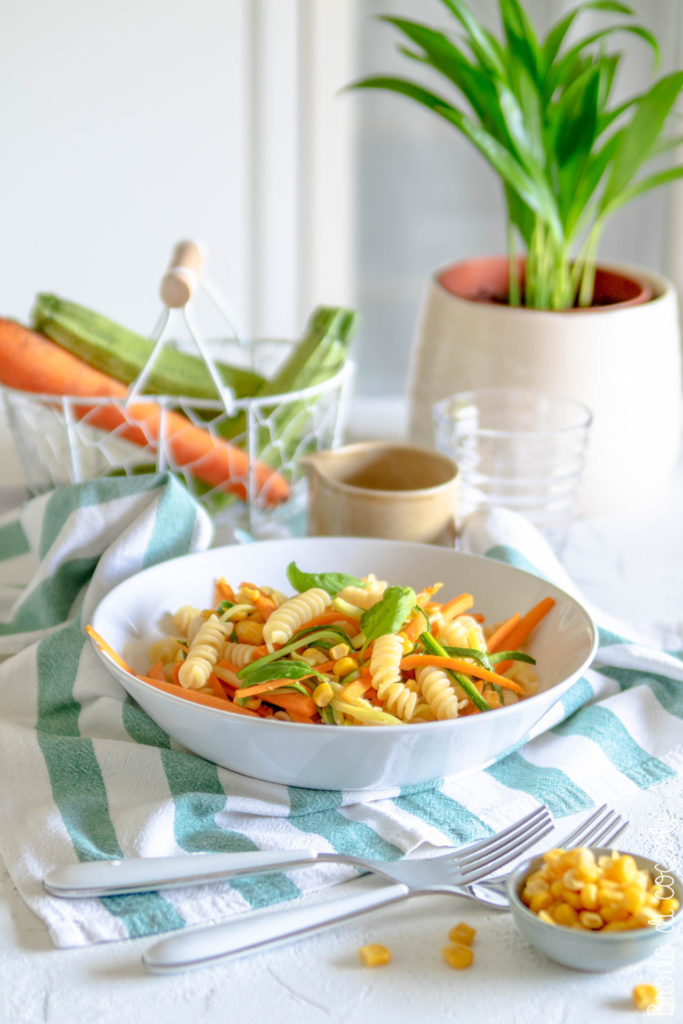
{"points": [[614, 913], [323, 694], [645, 996], [566, 915], [589, 919], [339, 651], [544, 915], [589, 896], [608, 897], [539, 901], [343, 666], [585, 867], [536, 883], [668, 906], [557, 887], [249, 632], [457, 956], [617, 926], [552, 855], [462, 934], [624, 869], [374, 955], [633, 899]]}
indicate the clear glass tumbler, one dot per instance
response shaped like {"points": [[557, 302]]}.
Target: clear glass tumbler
{"points": [[517, 448]]}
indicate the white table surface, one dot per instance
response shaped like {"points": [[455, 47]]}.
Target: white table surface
{"points": [[630, 567]]}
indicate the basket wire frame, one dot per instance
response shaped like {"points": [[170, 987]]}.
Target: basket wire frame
{"points": [[56, 444]]}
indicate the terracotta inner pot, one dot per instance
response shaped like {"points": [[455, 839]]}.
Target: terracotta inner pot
{"points": [[487, 280]]}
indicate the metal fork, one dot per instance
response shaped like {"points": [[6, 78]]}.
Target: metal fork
{"points": [[600, 829], [204, 947]]}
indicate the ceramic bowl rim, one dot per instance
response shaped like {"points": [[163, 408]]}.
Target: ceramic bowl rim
{"points": [[411, 728]]}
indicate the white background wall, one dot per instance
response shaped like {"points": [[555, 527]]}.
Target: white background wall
{"points": [[129, 124]]}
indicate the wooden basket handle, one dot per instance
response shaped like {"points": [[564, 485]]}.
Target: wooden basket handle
{"points": [[180, 279]]}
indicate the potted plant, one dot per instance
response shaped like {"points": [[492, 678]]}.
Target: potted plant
{"points": [[548, 315]]}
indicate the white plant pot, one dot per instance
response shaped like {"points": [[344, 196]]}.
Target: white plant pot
{"points": [[624, 363]]}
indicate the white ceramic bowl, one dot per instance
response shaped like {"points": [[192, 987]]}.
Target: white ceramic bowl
{"points": [[593, 951], [325, 757]]}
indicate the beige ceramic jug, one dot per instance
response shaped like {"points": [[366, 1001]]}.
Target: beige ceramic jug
{"points": [[379, 489]]}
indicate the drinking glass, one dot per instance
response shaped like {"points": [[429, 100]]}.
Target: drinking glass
{"points": [[517, 448]]}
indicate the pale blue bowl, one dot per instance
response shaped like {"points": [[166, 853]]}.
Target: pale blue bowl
{"points": [[592, 951]]}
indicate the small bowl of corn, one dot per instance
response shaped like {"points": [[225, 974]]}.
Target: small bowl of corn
{"points": [[595, 909]]}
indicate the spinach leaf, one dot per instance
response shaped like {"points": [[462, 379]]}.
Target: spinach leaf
{"points": [[389, 614], [332, 582], [284, 668]]}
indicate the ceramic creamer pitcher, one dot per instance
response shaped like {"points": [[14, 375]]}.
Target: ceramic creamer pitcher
{"points": [[380, 489]]}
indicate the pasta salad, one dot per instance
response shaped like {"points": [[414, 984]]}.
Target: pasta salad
{"points": [[343, 651]]}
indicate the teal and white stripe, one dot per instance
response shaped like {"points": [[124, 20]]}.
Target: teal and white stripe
{"points": [[85, 773]]}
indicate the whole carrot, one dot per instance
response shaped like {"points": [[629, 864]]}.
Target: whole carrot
{"points": [[31, 362]]}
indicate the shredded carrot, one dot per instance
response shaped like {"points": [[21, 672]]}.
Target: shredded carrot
{"points": [[156, 671], [222, 703], [526, 624], [498, 637], [326, 666], [294, 703], [415, 626], [223, 592], [457, 665], [228, 666], [104, 646], [215, 684], [272, 684], [354, 689], [457, 605]]}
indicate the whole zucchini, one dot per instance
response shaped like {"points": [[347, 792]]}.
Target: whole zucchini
{"points": [[121, 353]]}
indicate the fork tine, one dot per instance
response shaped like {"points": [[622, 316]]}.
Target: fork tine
{"points": [[485, 870], [504, 841], [587, 828], [607, 836]]}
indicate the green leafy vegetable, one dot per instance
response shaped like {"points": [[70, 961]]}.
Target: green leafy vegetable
{"points": [[388, 614], [332, 582], [541, 113], [284, 668]]}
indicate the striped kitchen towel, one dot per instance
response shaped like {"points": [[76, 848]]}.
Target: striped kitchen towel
{"points": [[84, 773]]}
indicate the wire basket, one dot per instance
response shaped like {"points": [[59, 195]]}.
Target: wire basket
{"points": [[258, 442], [58, 444]]}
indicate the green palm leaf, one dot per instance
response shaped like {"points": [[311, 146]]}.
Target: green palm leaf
{"points": [[539, 112]]}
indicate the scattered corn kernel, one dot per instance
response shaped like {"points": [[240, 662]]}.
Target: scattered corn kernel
{"points": [[249, 632], [645, 996], [462, 933], [374, 955], [339, 651], [457, 956], [323, 694], [343, 666], [610, 893]]}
